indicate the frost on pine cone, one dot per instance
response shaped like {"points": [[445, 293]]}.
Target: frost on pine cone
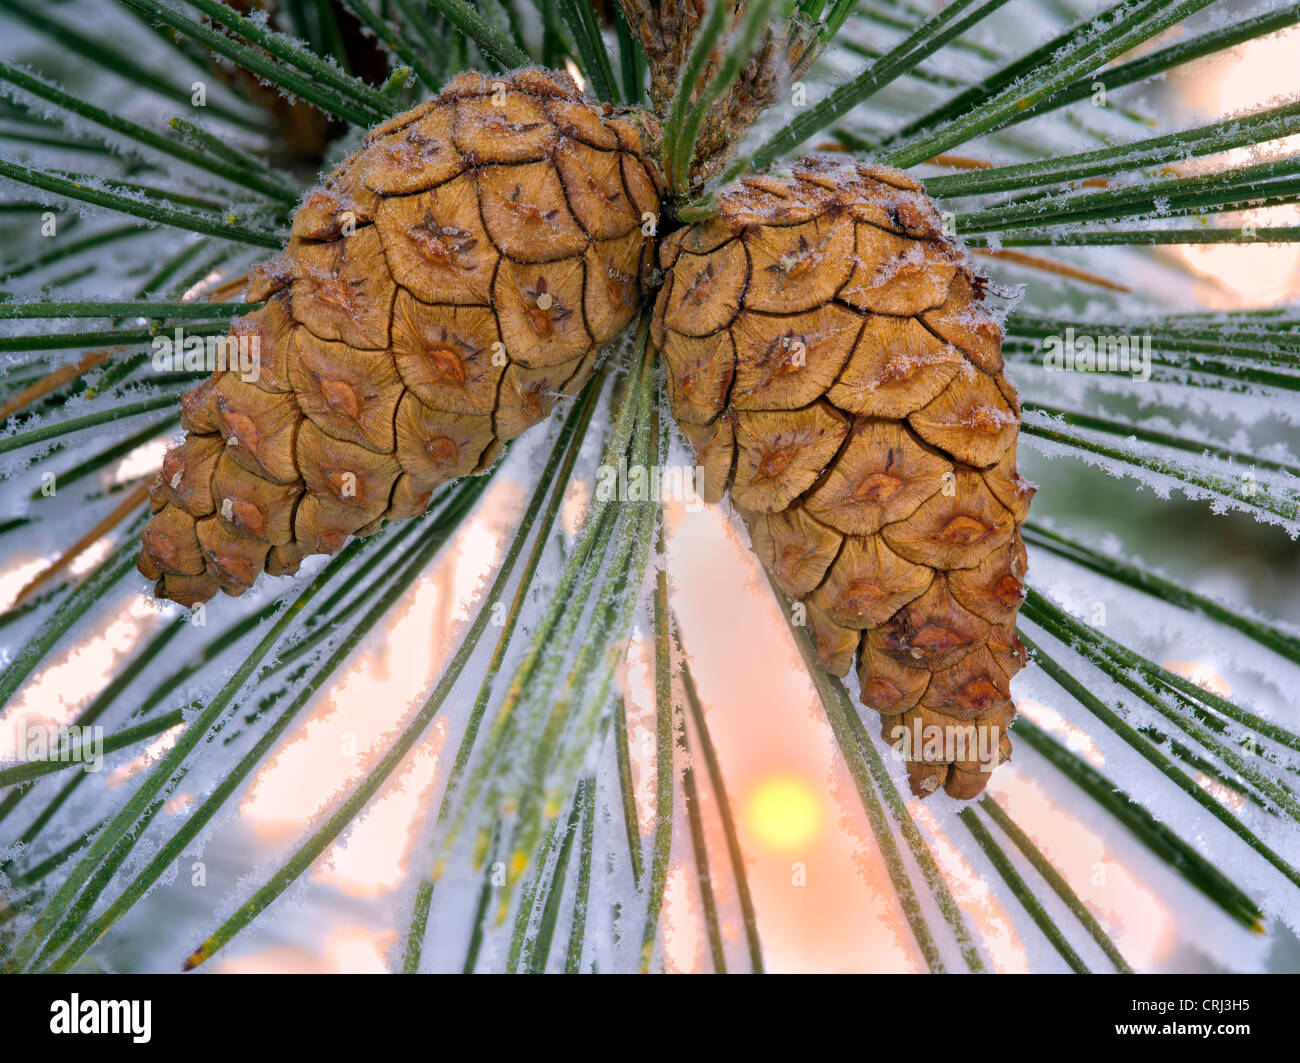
{"points": [[828, 358], [442, 289]]}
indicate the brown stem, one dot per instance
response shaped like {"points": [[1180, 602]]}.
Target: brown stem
{"points": [[58, 378], [128, 505], [1046, 265]]}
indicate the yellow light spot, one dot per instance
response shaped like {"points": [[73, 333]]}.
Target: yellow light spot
{"points": [[785, 813]]}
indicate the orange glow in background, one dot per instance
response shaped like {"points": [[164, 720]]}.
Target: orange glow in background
{"points": [[1239, 274]]}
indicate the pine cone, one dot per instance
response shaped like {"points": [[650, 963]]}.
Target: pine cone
{"points": [[829, 360], [442, 289]]}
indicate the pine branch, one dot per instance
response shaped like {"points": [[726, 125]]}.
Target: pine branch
{"points": [[555, 476], [718, 787], [235, 156], [1021, 891], [1182, 859], [351, 806], [1147, 750], [1274, 346], [1211, 138], [287, 50], [631, 60], [1128, 430], [593, 56], [1159, 679], [1161, 60], [114, 123], [924, 41], [1150, 582], [436, 535], [1243, 493], [430, 34], [582, 890], [69, 249], [1055, 880], [1139, 237], [573, 719], [873, 14], [539, 946], [1184, 369], [125, 823], [85, 46], [81, 189], [384, 30], [666, 745], [323, 97], [1142, 677], [939, 80], [538, 669], [91, 591], [1276, 181], [59, 341], [72, 425], [627, 796], [138, 309], [706, 39], [1131, 22], [505, 54]]}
